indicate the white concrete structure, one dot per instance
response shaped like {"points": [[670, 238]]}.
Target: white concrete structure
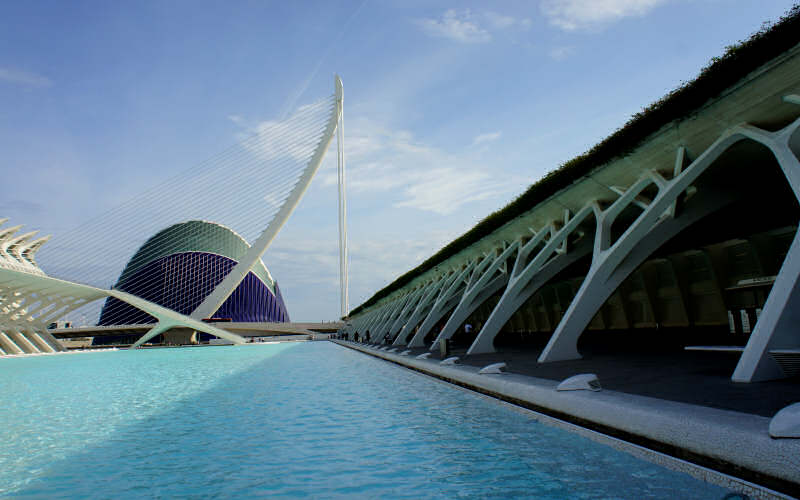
{"points": [[216, 298], [343, 259], [31, 300], [490, 276], [619, 215]]}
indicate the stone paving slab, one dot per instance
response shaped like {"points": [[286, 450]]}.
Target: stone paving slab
{"points": [[697, 378]]}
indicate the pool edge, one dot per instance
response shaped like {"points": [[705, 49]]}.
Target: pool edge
{"points": [[647, 423]]}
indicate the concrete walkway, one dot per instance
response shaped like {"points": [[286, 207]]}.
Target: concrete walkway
{"points": [[697, 378], [708, 434]]}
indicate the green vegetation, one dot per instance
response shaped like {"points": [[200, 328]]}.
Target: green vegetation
{"points": [[721, 73]]}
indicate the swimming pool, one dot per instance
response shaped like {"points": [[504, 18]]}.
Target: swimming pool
{"points": [[287, 420]]}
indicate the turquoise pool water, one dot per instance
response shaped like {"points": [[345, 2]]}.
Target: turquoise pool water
{"points": [[287, 420]]}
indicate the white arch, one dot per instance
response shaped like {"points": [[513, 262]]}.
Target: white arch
{"points": [[447, 299], [424, 305], [491, 275], [613, 261], [226, 287]]}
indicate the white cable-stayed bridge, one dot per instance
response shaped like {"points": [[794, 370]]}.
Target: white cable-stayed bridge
{"points": [[187, 250]]}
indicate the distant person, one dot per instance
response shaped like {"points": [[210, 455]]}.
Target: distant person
{"points": [[355, 336], [386, 339], [467, 328], [367, 335]]}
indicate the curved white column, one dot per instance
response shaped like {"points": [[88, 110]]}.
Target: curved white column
{"points": [[420, 311], [777, 328], [395, 308], [407, 310], [490, 279], [8, 345], [226, 287], [524, 283], [36, 340], [447, 299], [21, 341], [612, 262]]}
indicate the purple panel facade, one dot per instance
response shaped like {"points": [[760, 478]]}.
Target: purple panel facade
{"points": [[181, 282]]}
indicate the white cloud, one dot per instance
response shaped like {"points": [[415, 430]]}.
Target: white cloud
{"points": [[484, 138], [560, 53], [468, 27], [571, 15], [306, 265], [500, 21], [416, 175], [289, 139], [444, 190], [23, 78], [457, 26]]}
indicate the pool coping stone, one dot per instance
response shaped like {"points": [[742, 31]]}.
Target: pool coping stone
{"points": [[701, 436]]}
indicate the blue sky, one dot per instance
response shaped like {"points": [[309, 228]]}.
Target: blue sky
{"points": [[451, 108]]}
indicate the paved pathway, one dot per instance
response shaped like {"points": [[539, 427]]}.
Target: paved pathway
{"points": [[699, 378]]}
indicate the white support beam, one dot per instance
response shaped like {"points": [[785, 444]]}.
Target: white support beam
{"points": [[525, 272], [681, 161], [489, 280], [15, 318], [156, 330], [8, 345], [777, 328], [51, 341], [167, 318], [792, 99], [225, 288], [520, 289], [447, 299], [612, 262], [368, 320], [378, 318], [422, 309], [394, 308], [407, 310], [22, 342], [382, 328], [365, 322], [40, 343]]}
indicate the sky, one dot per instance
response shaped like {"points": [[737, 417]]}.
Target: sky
{"points": [[451, 109]]}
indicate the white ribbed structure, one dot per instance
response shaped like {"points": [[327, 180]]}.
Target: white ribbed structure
{"points": [[253, 186]]}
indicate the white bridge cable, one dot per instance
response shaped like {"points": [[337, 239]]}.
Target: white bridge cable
{"points": [[242, 188], [277, 195]]}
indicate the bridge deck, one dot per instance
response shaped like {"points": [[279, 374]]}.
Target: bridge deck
{"points": [[239, 328]]}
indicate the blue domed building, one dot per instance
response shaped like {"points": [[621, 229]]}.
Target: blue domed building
{"points": [[181, 265]]}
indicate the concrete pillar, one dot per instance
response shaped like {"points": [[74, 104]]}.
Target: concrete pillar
{"points": [[8, 345], [22, 342], [446, 300], [51, 341], [522, 286], [40, 344], [778, 326], [408, 309], [489, 279], [394, 310], [613, 261], [423, 306]]}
